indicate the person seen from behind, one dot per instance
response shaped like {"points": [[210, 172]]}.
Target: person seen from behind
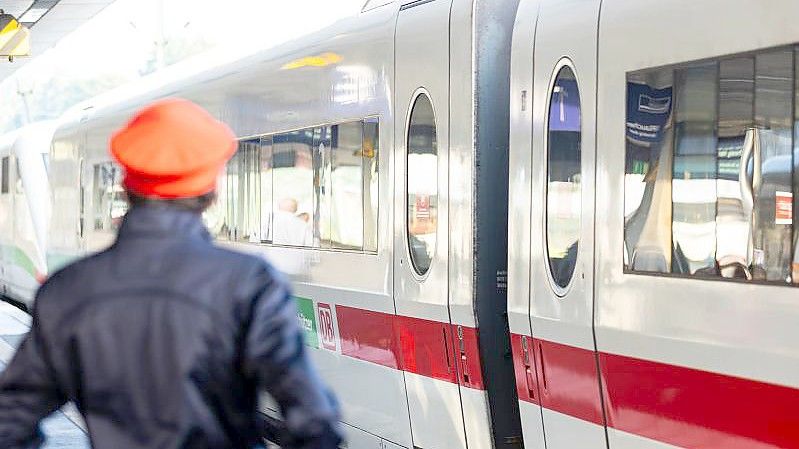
{"points": [[164, 340]]}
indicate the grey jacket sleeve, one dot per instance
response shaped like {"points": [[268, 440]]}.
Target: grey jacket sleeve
{"points": [[275, 355], [28, 393]]}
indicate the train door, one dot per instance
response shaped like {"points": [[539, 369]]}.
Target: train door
{"points": [[421, 241], [697, 270], [562, 238], [520, 169]]}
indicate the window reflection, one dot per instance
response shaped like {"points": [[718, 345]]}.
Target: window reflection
{"points": [[422, 184], [315, 187], [563, 177], [725, 206], [266, 188], [371, 152], [346, 209], [110, 203], [293, 187], [694, 169]]}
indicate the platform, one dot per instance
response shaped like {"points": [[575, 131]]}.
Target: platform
{"points": [[62, 428]]}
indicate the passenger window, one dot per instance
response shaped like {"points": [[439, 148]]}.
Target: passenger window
{"points": [[4, 181], [346, 209], [323, 193], [371, 151], [293, 188], [709, 176], [266, 189], [316, 187], [249, 216], [422, 184], [110, 204], [564, 191], [19, 186]]}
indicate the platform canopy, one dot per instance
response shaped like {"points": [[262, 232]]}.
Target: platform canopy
{"points": [[49, 21]]}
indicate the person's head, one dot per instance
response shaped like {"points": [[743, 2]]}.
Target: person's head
{"points": [[287, 205], [172, 152]]}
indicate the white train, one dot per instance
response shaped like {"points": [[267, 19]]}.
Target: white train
{"points": [[24, 210], [512, 223]]}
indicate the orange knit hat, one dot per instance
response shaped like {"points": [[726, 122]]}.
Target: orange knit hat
{"points": [[172, 149]]}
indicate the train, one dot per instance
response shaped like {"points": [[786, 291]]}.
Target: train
{"points": [[525, 224]]}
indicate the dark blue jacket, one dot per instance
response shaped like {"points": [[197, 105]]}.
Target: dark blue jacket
{"points": [[162, 341]]}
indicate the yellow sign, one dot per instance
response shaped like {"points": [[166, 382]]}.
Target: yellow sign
{"points": [[14, 37]]}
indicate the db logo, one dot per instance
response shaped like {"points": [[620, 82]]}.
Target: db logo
{"points": [[326, 330]]}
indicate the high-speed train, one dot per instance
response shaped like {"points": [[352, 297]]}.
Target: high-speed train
{"points": [[24, 210], [532, 224]]}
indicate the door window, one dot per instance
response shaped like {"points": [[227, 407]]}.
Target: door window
{"points": [[564, 199], [422, 184]]}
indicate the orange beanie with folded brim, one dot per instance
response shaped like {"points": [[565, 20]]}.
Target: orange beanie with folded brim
{"points": [[173, 149]]}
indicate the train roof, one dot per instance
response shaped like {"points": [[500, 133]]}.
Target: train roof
{"points": [[208, 67]]}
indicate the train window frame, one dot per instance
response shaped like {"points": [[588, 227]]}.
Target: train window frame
{"points": [[560, 291], [719, 60], [419, 277]]}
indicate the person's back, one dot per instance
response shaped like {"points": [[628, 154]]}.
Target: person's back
{"points": [[162, 342]]}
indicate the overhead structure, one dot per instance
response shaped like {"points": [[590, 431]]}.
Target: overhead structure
{"points": [[49, 21], [14, 37]]}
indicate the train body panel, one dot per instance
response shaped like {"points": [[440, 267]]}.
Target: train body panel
{"points": [[25, 210], [686, 338], [689, 322]]}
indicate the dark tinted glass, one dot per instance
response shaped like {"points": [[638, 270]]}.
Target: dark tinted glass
{"points": [[563, 177], [4, 176]]}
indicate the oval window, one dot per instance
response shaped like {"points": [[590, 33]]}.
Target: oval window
{"points": [[564, 193], [422, 183]]}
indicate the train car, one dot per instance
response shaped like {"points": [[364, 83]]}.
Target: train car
{"points": [[644, 212], [24, 210], [653, 253], [361, 151]]}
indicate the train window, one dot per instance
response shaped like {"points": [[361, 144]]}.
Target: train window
{"points": [[266, 189], [19, 187], [422, 184], [323, 194], [710, 172], [564, 199], [370, 151], [293, 188], [215, 217], [4, 181], [315, 187], [346, 209], [110, 203]]}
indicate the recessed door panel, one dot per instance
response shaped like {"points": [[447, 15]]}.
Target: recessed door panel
{"points": [[421, 241], [562, 225]]}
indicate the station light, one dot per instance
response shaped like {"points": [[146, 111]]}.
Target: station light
{"points": [[14, 37]]}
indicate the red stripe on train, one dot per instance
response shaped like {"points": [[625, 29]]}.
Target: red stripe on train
{"points": [[680, 406], [698, 409], [428, 348], [565, 378]]}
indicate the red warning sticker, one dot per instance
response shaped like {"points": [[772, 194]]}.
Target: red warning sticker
{"points": [[784, 204]]}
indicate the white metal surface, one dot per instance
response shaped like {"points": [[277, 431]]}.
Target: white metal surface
{"points": [[25, 211], [743, 330]]}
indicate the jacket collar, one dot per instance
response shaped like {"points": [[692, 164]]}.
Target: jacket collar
{"points": [[162, 221]]}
